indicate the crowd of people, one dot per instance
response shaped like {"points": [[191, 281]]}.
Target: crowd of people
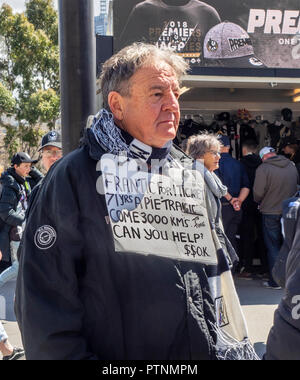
{"points": [[95, 285], [18, 184], [257, 185]]}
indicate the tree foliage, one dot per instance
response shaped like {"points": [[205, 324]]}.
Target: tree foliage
{"points": [[43, 16], [7, 101], [29, 73]]}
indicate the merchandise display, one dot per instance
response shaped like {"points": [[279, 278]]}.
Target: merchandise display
{"points": [[242, 126]]}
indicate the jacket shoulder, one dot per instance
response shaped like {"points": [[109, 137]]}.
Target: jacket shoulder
{"points": [[179, 154], [74, 160], [9, 182]]}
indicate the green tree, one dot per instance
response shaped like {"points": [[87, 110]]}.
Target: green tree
{"points": [[7, 101], [29, 69], [43, 16]]}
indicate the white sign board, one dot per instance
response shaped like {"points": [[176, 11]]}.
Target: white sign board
{"points": [[157, 214]]}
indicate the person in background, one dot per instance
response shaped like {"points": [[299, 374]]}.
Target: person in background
{"points": [[13, 204], [51, 149], [7, 350], [283, 342], [205, 150], [275, 181], [233, 175], [251, 226], [291, 150]]}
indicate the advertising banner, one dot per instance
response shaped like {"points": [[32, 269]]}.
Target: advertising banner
{"points": [[215, 33]]}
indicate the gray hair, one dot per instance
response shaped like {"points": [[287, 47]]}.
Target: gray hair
{"points": [[198, 145], [117, 70]]}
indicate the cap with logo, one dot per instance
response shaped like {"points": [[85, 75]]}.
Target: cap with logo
{"points": [[232, 45], [22, 157], [52, 138], [266, 150]]}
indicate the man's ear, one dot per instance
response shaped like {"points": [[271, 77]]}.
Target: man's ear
{"points": [[115, 102]]}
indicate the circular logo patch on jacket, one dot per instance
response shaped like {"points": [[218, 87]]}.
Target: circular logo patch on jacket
{"points": [[45, 237]]}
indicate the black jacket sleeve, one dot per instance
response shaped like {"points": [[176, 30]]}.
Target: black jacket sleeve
{"points": [[8, 203], [48, 306], [35, 177], [284, 338]]}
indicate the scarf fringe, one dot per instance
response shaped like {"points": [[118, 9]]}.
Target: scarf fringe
{"points": [[228, 348]]}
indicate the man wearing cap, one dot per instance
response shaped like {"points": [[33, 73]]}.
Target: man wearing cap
{"points": [[233, 175], [13, 203], [51, 149], [275, 181]]}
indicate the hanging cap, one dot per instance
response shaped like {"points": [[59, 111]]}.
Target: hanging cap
{"points": [[232, 45]]}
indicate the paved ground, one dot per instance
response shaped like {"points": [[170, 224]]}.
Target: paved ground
{"points": [[257, 302], [7, 315], [258, 305]]}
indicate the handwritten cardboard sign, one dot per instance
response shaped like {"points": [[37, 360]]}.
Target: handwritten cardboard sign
{"points": [[157, 214]]}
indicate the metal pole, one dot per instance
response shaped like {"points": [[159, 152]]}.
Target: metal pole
{"points": [[77, 45]]}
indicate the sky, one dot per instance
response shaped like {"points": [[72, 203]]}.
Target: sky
{"points": [[19, 5]]}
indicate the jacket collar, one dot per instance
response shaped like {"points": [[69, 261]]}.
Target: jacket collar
{"points": [[17, 177]]}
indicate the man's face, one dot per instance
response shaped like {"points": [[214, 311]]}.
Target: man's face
{"points": [[23, 169], [50, 154], [288, 150], [151, 112]]}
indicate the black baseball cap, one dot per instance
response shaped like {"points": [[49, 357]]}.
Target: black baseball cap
{"points": [[289, 141], [52, 138], [22, 157]]}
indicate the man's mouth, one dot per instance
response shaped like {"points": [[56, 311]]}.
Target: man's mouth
{"points": [[167, 122]]}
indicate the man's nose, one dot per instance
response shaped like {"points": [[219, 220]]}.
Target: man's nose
{"points": [[170, 103]]}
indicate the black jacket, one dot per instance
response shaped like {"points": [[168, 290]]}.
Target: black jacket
{"points": [[77, 298], [251, 162], [284, 338], [10, 215]]}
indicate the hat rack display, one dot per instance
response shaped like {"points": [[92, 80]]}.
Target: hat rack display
{"points": [[242, 125]]}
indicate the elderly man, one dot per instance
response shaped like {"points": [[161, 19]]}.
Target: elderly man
{"points": [[51, 148], [275, 181], [112, 240]]}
